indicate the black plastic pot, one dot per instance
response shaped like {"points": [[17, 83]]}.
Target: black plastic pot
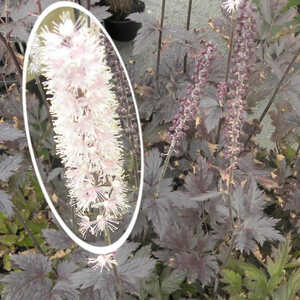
{"points": [[124, 30]]}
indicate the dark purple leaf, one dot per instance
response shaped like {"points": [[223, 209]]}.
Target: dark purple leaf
{"points": [[32, 282], [9, 133], [57, 239], [9, 165], [202, 267], [212, 112], [6, 206], [256, 229], [253, 227]]}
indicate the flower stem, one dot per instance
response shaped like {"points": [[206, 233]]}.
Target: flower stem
{"points": [[14, 58], [233, 23], [129, 124], [165, 165], [274, 93], [35, 242], [216, 285], [162, 16], [297, 151], [230, 191], [118, 281], [188, 22]]}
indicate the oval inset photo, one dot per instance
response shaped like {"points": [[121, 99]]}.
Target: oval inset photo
{"points": [[83, 128]]}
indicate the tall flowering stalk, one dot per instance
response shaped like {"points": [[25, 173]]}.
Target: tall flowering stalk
{"points": [[241, 60], [189, 104], [86, 125]]}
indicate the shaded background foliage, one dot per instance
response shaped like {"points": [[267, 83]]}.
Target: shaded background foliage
{"points": [[206, 230]]}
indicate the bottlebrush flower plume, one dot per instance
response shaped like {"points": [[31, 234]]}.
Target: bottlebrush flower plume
{"points": [[231, 5], [242, 59], [189, 104], [86, 124]]}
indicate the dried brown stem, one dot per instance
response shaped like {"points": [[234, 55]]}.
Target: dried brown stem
{"points": [[35, 242], [233, 23], [14, 58], [188, 23], [162, 17]]}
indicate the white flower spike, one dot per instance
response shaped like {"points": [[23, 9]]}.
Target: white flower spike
{"points": [[85, 122], [231, 5]]}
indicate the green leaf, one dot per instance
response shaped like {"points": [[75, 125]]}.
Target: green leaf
{"points": [[255, 280], [8, 239], [21, 237], [12, 227], [280, 258], [25, 241], [295, 263], [281, 293], [6, 263], [36, 227], [172, 283], [274, 282], [234, 281], [3, 227], [292, 3], [293, 284]]}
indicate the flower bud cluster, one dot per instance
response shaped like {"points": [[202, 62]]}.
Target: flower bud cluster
{"points": [[126, 109], [190, 103], [221, 93], [85, 122], [242, 58]]}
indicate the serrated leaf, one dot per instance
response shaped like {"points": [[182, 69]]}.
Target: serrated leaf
{"points": [[172, 282], [256, 229], [152, 167], [135, 269], [87, 277], [6, 206], [9, 133], [145, 36], [9, 165], [280, 258], [54, 173], [266, 11], [130, 270], [255, 280], [204, 267], [293, 284], [206, 196], [64, 287], [31, 283], [212, 113], [57, 239], [7, 263], [234, 281], [125, 251], [8, 239]]}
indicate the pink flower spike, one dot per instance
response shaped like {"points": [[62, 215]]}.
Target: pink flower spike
{"points": [[102, 261]]}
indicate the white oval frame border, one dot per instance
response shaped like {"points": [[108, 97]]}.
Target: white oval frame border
{"points": [[86, 246]]}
